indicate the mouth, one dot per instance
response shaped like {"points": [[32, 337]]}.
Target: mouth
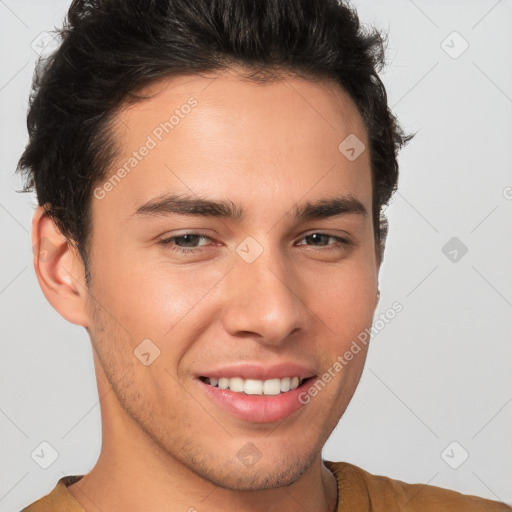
{"points": [[254, 400], [273, 387]]}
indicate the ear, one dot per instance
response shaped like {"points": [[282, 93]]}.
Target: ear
{"points": [[59, 269], [380, 240]]}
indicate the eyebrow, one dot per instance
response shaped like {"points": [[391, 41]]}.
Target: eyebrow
{"points": [[193, 206]]}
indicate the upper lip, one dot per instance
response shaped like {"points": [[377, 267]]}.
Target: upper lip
{"points": [[260, 371]]}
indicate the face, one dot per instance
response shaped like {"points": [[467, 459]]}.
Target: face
{"points": [[234, 250]]}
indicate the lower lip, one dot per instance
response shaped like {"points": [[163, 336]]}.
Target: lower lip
{"points": [[257, 408]]}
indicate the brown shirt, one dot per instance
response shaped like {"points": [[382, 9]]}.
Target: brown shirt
{"points": [[358, 491]]}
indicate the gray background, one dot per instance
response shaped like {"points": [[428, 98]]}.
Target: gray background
{"points": [[439, 372]]}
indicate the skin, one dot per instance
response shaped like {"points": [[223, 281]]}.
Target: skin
{"points": [[166, 445]]}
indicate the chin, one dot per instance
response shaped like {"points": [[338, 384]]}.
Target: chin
{"points": [[270, 474]]}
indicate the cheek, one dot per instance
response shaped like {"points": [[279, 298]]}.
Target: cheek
{"points": [[150, 298], [344, 299]]}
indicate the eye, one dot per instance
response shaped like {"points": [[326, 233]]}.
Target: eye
{"points": [[193, 243], [322, 240], [186, 243]]}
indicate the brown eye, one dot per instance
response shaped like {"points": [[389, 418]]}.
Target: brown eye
{"points": [[322, 240], [186, 243]]}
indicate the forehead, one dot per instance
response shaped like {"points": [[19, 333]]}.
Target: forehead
{"points": [[224, 136], [232, 101]]}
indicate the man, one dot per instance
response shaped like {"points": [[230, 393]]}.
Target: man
{"points": [[211, 177]]}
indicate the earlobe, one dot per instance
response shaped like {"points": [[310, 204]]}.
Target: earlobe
{"points": [[59, 269]]}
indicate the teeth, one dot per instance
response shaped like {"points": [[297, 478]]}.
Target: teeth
{"points": [[272, 387], [254, 386], [251, 387], [236, 384]]}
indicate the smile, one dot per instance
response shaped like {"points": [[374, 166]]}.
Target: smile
{"points": [[254, 400], [274, 386]]}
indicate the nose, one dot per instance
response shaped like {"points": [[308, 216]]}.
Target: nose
{"points": [[264, 300]]}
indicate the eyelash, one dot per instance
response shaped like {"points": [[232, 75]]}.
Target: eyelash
{"points": [[170, 242]]}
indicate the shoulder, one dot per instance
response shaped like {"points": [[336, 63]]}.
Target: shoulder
{"points": [[359, 488], [58, 500]]}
